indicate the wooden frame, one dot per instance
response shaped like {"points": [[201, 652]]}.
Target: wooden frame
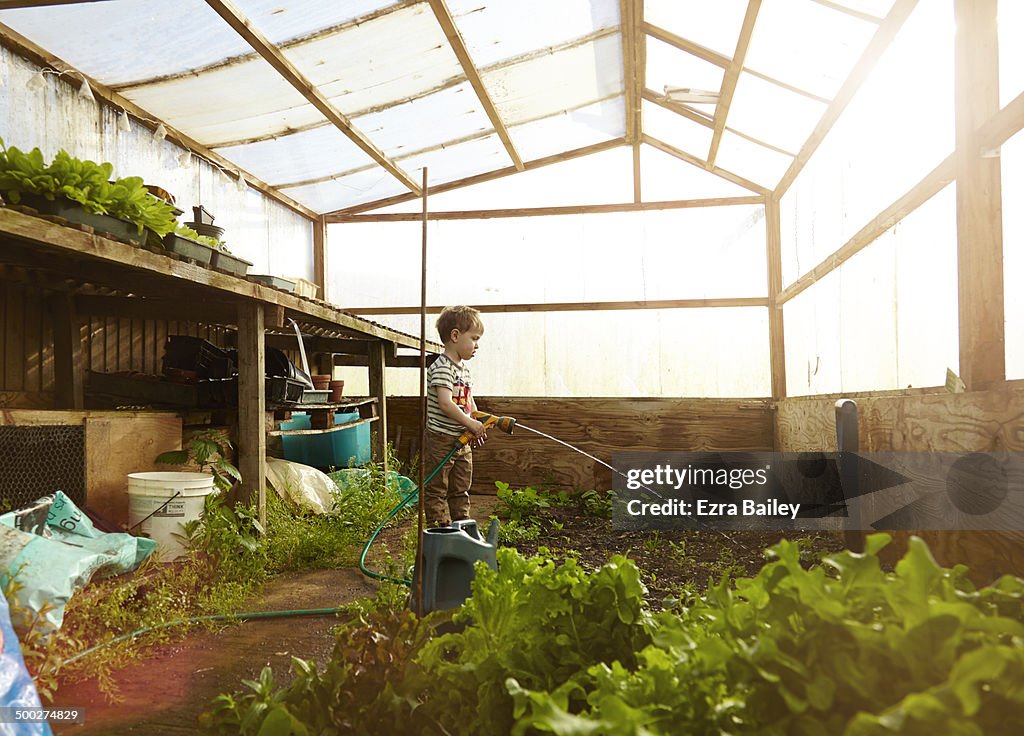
{"points": [[444, 17], [580, 209], [755, 301], [732, 75], [234, 18], [716, 170]]}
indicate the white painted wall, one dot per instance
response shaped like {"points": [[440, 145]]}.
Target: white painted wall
{"points": [[277, 240]]}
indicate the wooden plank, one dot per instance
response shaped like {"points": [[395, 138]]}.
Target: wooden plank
{"points": [[978, 421], [444, 17], [928, 187], [879, 42], [716, 170], [601, 427], [399, 361], [14, 342], [776, 326], [156, 308], [378, 389], [978, 199], [743, 301], [117, 263], [69, 381], [4, 287], [850, 11], [784, 85], [328, 430], [273, 55], [33, 335], [43, 58], [480, 178], [731, 77], [252, 440], [320, 268], [118, 444], [581, 209], [683, 44], [1002, 126], [628, 32]]}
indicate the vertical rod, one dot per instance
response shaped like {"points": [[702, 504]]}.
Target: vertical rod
{"points": [[421, 512]]}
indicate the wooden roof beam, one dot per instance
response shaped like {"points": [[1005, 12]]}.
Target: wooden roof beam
{"points": [[580, 209], [43, 58], [754, 301], [444, 17], [879, 42], [731, 77], [716, 170], [480, 178], [850, 11], [272, 54], [684, 44]]}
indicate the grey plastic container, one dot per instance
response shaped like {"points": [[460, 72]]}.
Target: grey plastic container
{"points": [[449, 554]]}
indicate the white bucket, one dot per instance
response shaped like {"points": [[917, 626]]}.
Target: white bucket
{"points": [[181, 495]]}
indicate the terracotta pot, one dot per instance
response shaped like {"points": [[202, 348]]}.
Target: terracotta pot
{"points": [[321, 381], [337, 390]]}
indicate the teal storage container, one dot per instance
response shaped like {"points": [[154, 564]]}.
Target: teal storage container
{"points": [[331, 450]]}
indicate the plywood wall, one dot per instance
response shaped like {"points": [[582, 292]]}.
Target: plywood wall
{"points": [[982, 421], [598, 426]]}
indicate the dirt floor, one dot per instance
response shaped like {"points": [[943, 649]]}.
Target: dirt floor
{"points": [[165, 693]]}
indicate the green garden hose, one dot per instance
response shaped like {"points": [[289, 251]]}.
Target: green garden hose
{"points": [[413, 494]]}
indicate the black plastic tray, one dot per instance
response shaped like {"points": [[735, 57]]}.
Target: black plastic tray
{"points": [[230, 262], [74, 212], [188, 248]]}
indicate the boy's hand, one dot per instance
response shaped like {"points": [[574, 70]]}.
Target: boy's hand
{"points": [[479, 441], [477, 428]]}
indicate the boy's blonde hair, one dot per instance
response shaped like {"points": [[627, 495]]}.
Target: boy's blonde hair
{"points": [[461, 318]]}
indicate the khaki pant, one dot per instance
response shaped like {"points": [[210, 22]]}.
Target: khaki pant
{"points": [[447, 496]]}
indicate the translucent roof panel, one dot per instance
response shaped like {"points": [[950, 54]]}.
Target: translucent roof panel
{"points": [[389, 59], [772, 113], [717, 27], [451, 114], [220, 106], [751, 161], [600, 178], [807, 45], [346, 191], [119, 41], [667, 66], [284, 20], [572, 129], [877, 8], [558, 81], [665, 177], [1011, 51], [311, 154], [677, 131], [499, 31], [458, 161]]}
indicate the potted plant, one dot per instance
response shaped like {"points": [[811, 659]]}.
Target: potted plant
{"points": [[81, 192]]}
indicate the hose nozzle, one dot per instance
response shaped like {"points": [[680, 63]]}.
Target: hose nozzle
{"points": [[505, 424]]}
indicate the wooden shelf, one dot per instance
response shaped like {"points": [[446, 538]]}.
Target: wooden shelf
{"points": [[312, 407], [335, 428]]}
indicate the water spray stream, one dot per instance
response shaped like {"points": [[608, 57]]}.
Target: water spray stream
{"points": [[520, 425]]}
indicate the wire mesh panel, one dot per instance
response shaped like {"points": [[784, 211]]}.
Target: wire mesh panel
{"points": [[36, 461]]}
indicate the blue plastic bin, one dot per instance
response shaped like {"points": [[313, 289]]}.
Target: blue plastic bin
{"points": [[332, 450]]}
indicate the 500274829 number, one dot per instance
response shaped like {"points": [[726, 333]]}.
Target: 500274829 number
{"points": [[16, 714]]}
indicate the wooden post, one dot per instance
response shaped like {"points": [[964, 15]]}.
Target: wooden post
{"points": [[978, 199], [320, 255], [252, 438], [776, 331], [378, 389], [67, 353]]}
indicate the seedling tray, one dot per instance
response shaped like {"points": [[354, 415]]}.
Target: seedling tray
{"points": [[75, 213], [276, 281], [228, 262], [201, 254]]}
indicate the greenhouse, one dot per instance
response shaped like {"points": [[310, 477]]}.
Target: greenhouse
{"points": [[699, 323]]}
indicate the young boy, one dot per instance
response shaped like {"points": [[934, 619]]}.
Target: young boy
{"points": [[450, 407]]}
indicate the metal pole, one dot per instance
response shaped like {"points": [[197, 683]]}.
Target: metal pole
{"points": [[423, 403]]}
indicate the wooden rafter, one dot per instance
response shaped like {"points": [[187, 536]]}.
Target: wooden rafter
{"points": [[444, 17], [43, 58], [579, 209], [850, 11], [43, 3], [879, 42], [627, 19], [661, 101], [716, 170], [639, 82], [731, 77], [684, 44], [234, 18], [776, 330], [756, 301], [486, 176]]}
